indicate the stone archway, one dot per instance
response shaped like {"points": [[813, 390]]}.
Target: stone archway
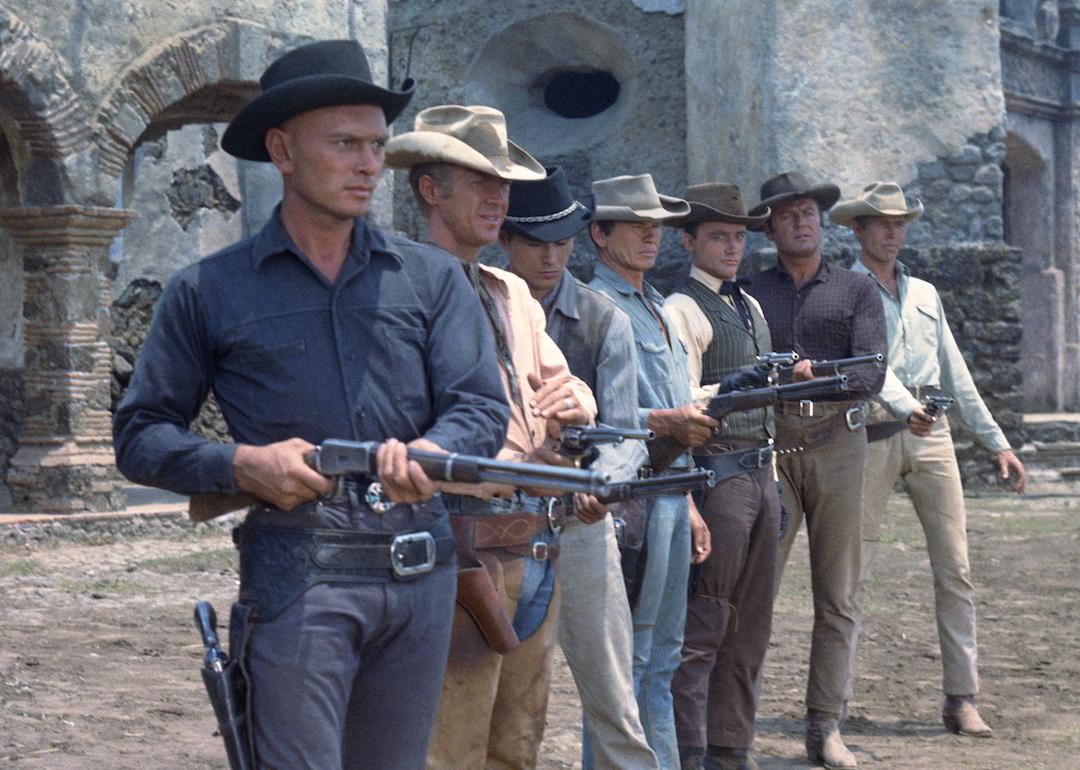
{"points": [[1030, 226]]}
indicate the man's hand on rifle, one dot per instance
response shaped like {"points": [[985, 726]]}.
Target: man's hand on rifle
{"points": [[803, 370], [277, 474], [920, 422], [700, 537], [402, 479], [588, 509], [689, 425]]}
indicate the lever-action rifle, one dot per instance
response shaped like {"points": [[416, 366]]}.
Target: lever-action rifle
{"points": [[337, 457], [579, 442], [668, 484], [833, 366], [664, 451]]}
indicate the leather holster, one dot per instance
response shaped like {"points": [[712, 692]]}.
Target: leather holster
{"points": [[476, 592]]}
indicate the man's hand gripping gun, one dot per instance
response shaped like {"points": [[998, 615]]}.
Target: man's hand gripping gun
{"points": [[337, 457], [580, 442], [664, 451]]}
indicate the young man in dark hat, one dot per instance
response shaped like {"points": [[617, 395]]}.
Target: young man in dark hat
{"points": [[626, 226], [494, 700], [322, 327], [924, 361], [821, 312], [595, 628], [729, 612]]}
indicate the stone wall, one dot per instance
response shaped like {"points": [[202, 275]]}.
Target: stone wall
{"points": [[11, 390]]}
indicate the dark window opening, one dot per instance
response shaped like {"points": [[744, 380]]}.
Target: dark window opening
{"points": [[581, 94]]}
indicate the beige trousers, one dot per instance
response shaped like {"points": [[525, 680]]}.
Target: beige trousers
{"points": [[930, 474], [492, 708], [825, 487]]}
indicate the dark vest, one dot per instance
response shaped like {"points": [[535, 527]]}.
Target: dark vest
{"points": [[732, 348], [580, 341]]}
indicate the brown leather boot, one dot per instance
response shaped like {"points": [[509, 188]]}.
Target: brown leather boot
{"points": [[824, 744], [725, 758], [961, 717]]}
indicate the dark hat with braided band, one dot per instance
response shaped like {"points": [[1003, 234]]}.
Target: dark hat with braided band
{"points": [[545, 210]]}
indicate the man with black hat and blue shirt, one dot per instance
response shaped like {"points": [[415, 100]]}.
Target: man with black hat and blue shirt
{"points": [[317, 327], [595, 628], [822, 312]]}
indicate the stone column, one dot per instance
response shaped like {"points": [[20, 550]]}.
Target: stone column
{"points": [[65, 457]]}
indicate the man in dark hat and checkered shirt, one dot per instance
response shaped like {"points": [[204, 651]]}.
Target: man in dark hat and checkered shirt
{"points": [[821, 312], [320, 326]]}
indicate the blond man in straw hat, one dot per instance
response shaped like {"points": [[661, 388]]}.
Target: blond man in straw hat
{"points": [[494, 696], [924, 360]]}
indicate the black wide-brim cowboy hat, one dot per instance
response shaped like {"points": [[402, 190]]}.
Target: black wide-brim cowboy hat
{"points": [[544, 210], [328, 73], [791, 186]]}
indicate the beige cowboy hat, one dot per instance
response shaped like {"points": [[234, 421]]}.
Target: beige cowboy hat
{"points": [[878, 199], [473, 137], [634, 199], [719, 202]]}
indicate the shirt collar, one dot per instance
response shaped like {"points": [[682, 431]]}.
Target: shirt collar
{"points": [[711, 281], [822, 274], [563, 298], [902, 273], [624, 287], [274, 239]]}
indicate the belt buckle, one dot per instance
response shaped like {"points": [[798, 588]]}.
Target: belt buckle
{"points": [[540, 550], [375, 498], [764, 454], [553, 525], [806, 408], [402, 546], [855, 417]]}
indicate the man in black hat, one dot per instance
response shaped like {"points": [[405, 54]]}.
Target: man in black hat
{"points": [[320, 327], [595, 627], [729, 612], [821, 312]]}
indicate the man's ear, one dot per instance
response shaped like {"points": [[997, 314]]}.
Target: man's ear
{"points": [[278, 146], [429, 191], [688, 242], [504, 239], [767, 229], [597, 235]]}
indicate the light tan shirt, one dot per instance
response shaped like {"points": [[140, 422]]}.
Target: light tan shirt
{"points": [[695, 330], [532, 351]]}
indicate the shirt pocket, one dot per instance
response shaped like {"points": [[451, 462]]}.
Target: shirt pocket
{"points": [[926, 317], [655, 363]]}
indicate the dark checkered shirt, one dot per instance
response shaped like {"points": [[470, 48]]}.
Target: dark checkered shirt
{"points": [[836, 314]]}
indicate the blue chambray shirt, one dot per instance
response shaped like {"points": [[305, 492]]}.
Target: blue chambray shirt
{"points": [[398, 346], [663, 378], [922, 351]]}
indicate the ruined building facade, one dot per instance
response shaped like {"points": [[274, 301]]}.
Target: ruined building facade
{"points": [[111, 111]]}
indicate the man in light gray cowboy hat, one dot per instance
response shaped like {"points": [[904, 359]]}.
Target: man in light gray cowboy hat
{"points": [[626, 227], [821, 312], [595, 628], [318, 327], [494, 696], [729, 612], [924, 361]]}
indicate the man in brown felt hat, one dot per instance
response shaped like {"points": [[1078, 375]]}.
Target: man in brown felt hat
{"points": [[321, 327], [729, 612], [821, 312], [494, 696], [924, 361]]}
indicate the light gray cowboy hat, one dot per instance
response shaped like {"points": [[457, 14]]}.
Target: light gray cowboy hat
{"points": [[878, 199], [473, 137], [719, 202], [634, 199]]}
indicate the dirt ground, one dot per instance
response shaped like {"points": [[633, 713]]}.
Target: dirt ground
{"points": [[99, 658]]}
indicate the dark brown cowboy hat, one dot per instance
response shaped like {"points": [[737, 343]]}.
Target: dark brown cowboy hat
{"points": [[719, 202], [323, 74], [791, 186]]}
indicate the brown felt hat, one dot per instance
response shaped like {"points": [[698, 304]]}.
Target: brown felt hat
{"points": [[791, 186], [719, 202]]}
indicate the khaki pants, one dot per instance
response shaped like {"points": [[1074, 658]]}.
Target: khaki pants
{"points": [[492, 710], [929, 471], [825, 487]]}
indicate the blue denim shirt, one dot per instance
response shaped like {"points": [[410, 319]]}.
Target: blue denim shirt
{"points": [[398, 346], [662, 370]]}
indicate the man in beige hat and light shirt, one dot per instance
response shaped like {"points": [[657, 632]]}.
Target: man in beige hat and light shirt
{"points": [[729, 612], [626, 228], [924, 360], [492, 709]]}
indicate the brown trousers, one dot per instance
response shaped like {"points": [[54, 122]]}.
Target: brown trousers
{"points": [[825, 487], [729, 617], [492, 709]]}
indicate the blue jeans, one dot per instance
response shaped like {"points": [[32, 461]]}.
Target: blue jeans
{"points": [[658, 623]]}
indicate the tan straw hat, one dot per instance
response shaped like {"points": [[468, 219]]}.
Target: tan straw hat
{"points": [[634, 199], [473, 137], [878, 199]]}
